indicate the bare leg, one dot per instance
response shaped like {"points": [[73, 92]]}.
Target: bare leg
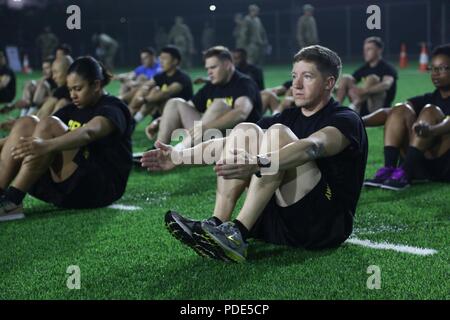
{"points": [[374, 101], [229, 191], [377, 118], [397, 129], [60, 164], [345, 84], [289, 186], [24, 127], [177, 114], [269, 101]]}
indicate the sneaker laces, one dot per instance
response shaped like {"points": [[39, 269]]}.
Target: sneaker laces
{"points": [[383, 172], [398, 174]]}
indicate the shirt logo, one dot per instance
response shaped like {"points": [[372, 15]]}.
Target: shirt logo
{"points": [[228, 101], [73, 125], [328, 193], [164, 87]]}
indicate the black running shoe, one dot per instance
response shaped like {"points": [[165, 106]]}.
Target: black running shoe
{"points": [[182, 229]]}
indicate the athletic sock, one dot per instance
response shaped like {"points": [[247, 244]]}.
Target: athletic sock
{"points": [[216, 220], [413, 163], [15, 195], [32, 110], [23, 112], [138, 116], [242, 229], [391, 155]]}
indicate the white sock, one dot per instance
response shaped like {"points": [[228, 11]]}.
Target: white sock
{"points": [[138, 116], [353, 107], [32, 110], [23, 112]]}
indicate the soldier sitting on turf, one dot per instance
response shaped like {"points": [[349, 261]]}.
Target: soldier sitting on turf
{"points": [[419, 131], [271, 101], [379, 81], [61, 95], [132, 81], [35, 92], [304, 174], [229, 98], [78, 158]]}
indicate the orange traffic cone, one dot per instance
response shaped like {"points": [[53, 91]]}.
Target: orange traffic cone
{"points": [[26, 65], [403, 57], [423, 61]]}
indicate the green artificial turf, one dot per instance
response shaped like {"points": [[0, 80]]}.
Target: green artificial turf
{"points": [[130, 255]]}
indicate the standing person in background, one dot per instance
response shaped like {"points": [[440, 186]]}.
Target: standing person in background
{"points": [[7, 81], [208, 36], [256, 37], [47, 43], [181, 37], [307, 34], [239, 31], [161, 38], [106, 49]]}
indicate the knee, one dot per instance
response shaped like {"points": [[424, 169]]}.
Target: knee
{"points": [[346, 79], [25, 125], [246, 126], [431, 113], [281, 134], [402, 110], [372, 79], [51, 125]]}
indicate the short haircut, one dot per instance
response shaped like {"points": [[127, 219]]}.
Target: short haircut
{"points": [[442, 49], [222, 53], [376, 41], [327, 61], [48, 59], [67, 49], [173, 51], [241, 51], [148, 50]]}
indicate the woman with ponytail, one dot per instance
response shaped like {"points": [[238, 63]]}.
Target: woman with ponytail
{"points": [[78, 158]]}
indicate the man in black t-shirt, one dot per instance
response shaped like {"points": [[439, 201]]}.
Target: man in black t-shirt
{"points": [[242, 65], [419, 131], [171, 83], [7, 81], [229, 98], [304, 173], [61, 95], [379, 81]]}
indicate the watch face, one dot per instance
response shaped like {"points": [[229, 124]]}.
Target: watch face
{"points": [[264, 162]]}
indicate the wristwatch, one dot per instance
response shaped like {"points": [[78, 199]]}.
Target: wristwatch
{"points": [[263, 162]]}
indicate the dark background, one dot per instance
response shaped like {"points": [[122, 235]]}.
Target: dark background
{"points": [[341, 24]]}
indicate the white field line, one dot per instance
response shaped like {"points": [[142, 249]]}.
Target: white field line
{"points": [[390, 246], [124, 207]]}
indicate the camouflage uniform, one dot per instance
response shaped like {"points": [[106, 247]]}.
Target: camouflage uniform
{"points": [[47, 43], [307, 31], [180, 36], [256, 39]]}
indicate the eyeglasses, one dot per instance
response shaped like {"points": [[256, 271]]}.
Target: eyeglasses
{"points": [[440, 69]]}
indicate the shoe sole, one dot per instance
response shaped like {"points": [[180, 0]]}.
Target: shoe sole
{"points": [[209, 241], [372, 184], [178, 233], [12, 216], [394, 188]]}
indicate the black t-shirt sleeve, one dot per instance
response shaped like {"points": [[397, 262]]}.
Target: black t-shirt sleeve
{"points": [[61, 93], [159, 79], [246, 88], [267, 122], [200, 98], [359, 74], [114, 114], [418, 102], [390, 71], [351, 126], [63, 114]]}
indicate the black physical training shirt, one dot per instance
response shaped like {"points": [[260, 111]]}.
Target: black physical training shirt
{"points": [[62, 93], [8, 92], [51, 83], [254, 73], [343, 172], [163, 81], [239, 85], [435, 98], [113, 152], [382, 69]]}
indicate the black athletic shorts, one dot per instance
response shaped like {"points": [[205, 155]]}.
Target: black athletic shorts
{"points": [[315, 222], [88, 187], [439, 168]]}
